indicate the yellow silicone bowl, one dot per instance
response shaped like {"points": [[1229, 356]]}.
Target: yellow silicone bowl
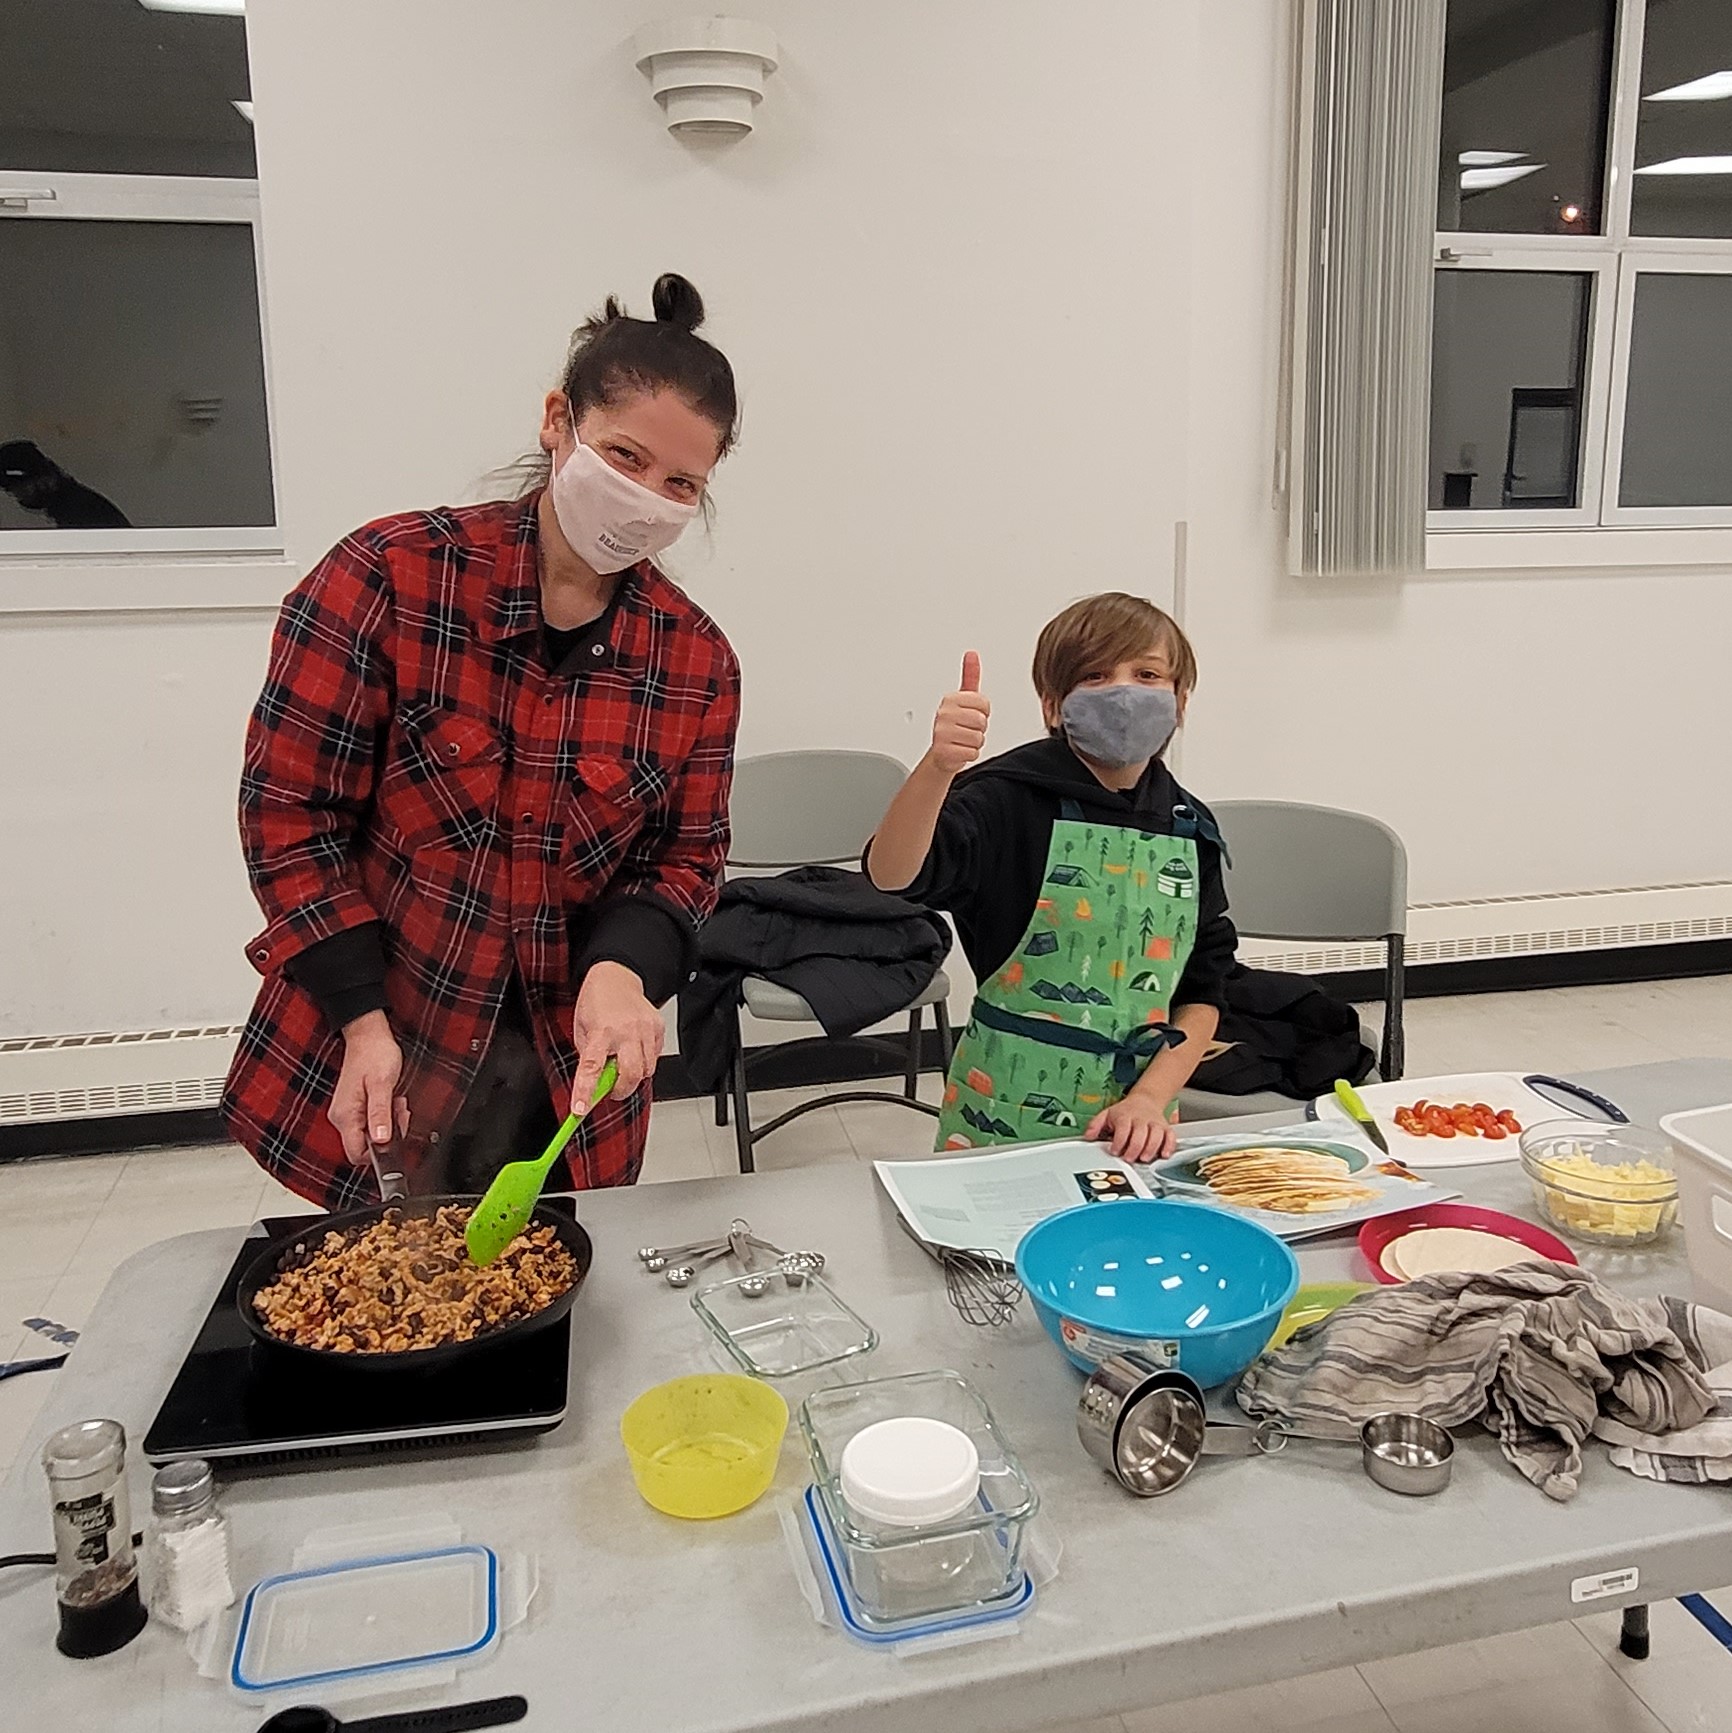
{"points": [[704, 1446]]}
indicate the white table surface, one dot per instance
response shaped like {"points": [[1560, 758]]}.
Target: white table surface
{"points": [[1254, 1570]]}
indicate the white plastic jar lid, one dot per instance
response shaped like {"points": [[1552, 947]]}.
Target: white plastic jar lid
{"points": [[909, 1471]]}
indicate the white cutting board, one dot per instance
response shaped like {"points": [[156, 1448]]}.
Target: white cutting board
{"points": [[1497, 1089]]}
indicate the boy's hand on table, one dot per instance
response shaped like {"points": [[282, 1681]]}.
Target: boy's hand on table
{"points": [[1137, 1129], [959, 729]]}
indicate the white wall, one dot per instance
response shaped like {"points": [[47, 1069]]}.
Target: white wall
{"points": [[1004, 305], [947, 269]]}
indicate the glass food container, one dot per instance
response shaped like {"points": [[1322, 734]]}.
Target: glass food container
{"points": [[773, 1324], [899, 1571], [1606, 1185]]}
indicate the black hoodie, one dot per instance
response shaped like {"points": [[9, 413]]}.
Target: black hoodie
{"points": [[989, 851]]}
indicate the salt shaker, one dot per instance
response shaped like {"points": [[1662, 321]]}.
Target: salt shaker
{"points": [[187, 1547], [95, 1568]]}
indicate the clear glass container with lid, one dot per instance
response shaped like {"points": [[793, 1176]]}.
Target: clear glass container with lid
{"points": [[930, 1513]]}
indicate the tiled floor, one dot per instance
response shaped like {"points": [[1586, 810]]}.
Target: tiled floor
{"points": [[65, 1225]]}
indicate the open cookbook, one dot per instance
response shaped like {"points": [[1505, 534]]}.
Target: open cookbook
{"points": [[1292, 1180]]}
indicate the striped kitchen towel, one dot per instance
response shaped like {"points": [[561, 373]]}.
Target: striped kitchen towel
{"points": [[1537, 1353], [1696, 1455]]}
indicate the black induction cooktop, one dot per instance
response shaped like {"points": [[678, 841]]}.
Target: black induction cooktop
{"points": [[239, 1404]]}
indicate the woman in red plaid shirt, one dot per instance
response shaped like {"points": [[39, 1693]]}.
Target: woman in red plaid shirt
{"points": [[485, 799]]}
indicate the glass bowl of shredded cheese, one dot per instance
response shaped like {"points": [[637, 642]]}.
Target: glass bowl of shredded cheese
{"points": [[1607, 1185]]}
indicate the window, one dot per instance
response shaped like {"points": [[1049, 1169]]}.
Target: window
{"points": [[1582, 298], [133, 409]]}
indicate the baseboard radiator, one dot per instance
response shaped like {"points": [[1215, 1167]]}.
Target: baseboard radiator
{"points": [[1484, 928], [98, 1076]]}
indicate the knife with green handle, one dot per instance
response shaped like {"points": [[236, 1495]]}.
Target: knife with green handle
{"points": [[1359, 1113]]}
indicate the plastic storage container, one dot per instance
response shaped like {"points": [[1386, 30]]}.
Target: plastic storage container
{"points": [[366, 1617], [774, 1325], [1605, 1185], [900, 1571], [1702, 1142]]}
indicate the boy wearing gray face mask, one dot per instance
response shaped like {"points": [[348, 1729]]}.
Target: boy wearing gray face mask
{"points": [[1086, 887]]}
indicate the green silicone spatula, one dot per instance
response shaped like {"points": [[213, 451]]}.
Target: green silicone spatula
{"points": [[504, 1210]]}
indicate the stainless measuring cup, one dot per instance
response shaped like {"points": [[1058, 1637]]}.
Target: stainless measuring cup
{"points": [[1148, 1427]]}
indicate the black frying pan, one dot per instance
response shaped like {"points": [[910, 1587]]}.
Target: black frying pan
{"points": [[298, 1247]]}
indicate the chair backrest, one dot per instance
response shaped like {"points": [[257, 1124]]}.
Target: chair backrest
{"points": [[808, 808], [1312, 872]]}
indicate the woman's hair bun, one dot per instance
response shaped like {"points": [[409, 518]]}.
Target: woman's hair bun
{"points": [[676, 302]]}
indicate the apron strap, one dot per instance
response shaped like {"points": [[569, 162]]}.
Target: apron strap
{"points": [[1129, 1055], [1188, 822]]}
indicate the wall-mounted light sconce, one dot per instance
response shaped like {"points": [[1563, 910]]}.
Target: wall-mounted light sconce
{"points": [[707, 73]]}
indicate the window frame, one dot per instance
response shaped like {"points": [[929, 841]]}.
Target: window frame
{"points": [[1599, 532], [34, 194], [1458, 253], [1633, 263]]}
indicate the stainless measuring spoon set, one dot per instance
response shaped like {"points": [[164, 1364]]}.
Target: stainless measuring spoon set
{"points": [[1147, 1426], [678, 1266]]}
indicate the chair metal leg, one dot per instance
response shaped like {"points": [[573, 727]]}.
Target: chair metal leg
{"points": [[911, 1065], [722, 1102], [742, 1109], [1393, 1060], [946, 1041], [1633, 1639]]}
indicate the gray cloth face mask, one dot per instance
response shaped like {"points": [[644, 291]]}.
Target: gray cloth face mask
{"points": [[1119, 725]]}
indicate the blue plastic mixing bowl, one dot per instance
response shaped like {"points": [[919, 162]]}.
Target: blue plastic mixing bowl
{"points": [[1182, 1284]]}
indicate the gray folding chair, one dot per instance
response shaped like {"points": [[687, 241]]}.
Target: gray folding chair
{"points": [[792, 809], [1313, 872]]}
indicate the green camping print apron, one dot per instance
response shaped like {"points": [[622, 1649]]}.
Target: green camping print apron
{"points": [[1067, 1025]]}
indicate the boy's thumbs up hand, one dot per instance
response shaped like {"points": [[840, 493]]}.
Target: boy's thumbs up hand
{"points": [[959, 729]]}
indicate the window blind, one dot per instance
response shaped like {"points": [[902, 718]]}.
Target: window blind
{"points": [[1363, 210]]}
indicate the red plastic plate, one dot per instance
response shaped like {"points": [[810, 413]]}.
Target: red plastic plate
{"points": [[1377, 1233]]}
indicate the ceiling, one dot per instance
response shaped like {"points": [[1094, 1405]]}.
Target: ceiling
{"points": [[105, 86]]}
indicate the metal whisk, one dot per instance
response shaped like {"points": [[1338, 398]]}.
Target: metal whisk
{"points": [[981, 1287]]}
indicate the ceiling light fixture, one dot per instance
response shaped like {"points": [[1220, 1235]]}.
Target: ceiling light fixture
{"points": [[1488, 158], [1480, 180], [216, 8], [1710, 87], [1690, 165], [243, 106]]}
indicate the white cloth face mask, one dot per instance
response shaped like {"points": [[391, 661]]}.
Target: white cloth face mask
{"points": [[610, 520]]}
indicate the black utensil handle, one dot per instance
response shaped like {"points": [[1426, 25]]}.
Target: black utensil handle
{"points": [[452, 1718], [17, 1368], [1611, 1109]]}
